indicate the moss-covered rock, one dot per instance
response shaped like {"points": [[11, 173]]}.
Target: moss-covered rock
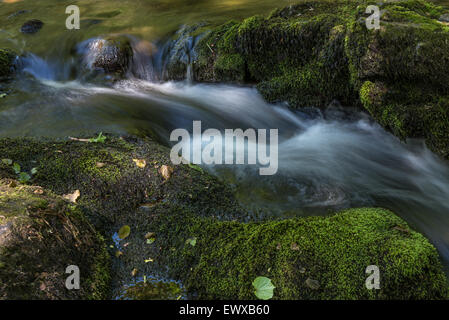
{"points": [[6, 63], [400, 71], [333, 251], [109, 180], [41, 234], [296, 54]]}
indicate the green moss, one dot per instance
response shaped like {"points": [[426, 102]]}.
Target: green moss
{"points": [[335, 251], [230, 67], [42, 235], [409, 111], [292, 57], [410, 45], [6, 63]]}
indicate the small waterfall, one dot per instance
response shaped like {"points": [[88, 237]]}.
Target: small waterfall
{"points": [[38, 67]]}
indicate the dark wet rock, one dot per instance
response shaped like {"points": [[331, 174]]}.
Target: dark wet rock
{"points": [[180, 53], [31, 26], [111, 55]]}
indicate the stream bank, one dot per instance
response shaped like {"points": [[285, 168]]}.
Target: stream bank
{"points": [[120, 182]]}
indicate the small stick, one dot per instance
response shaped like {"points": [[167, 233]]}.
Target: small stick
{"points": [[210, 48]]}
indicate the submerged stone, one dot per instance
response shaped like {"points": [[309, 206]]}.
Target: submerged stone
{"points": [[31, 26]]}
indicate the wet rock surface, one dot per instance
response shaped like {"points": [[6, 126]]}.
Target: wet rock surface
{"points": [[111, 55]]}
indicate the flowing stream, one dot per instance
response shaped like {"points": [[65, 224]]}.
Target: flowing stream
{"points": [[328, 160]]}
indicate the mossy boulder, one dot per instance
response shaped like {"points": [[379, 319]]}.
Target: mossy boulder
{"points": [[296, 54], [400, 71], [7, 58], [332, 253], [41, 234], [110, 181]]}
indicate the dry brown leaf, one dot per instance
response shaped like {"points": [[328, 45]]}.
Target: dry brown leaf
{"points": [[141, 163], [72, 197], [166, 171]]}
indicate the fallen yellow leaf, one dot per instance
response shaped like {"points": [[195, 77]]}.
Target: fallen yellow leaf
{"points": [[166, 171], [141, 163]]}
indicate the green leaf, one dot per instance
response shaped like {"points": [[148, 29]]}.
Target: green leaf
{"points": [[151, 240], [24, 177], [16, 168], [33, 171], [8, 162], [191, 241], [264, 288], [124, 232], [100, 139], [3, 95]]}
